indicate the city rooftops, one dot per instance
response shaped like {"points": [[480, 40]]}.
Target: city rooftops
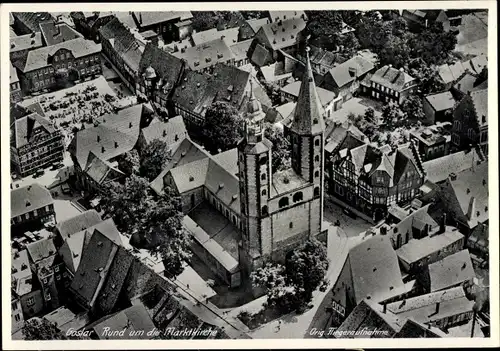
{"points": [[417, 249], [206, 54], [441, 101], [439, 169], [148, 18], [395, 79], [433, 134], [230, 36], [29, 198], [58, 33], [325, 96], [26, 42], [451, 271]]}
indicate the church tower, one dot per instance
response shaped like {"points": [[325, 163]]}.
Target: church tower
{"points": [[306, 133], [254, 164]]}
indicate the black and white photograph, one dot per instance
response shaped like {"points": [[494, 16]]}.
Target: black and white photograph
{"points": [[190, 174]]}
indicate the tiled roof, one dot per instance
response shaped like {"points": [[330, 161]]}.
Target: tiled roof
{"points": [[276, 16], [335, 134], [228, 160], [391, 77], [240, 50], [66, 319], [99, 170], [369, 316], [414, 219], [171, 132], [166, 66], [41, 249], [439, 169], [325, 96], [261, 55], [466, 83], [117, 134], [38, 58], [441, 101], [206, 54], [78, 223], [451, 73], [425, 300], [450, 271], [341, 74], [424, 307], [29, 198], [91, 271], [375, 269], [32, 20], [55, 34], [147, 18], [190, 176], [480, 101], [26, 42], [230, 36], [272, 72], [26, 128], [417, 249], [20, 265], [255, 24], [480, 236], [283, 34], [132, 319], [469, 186]]}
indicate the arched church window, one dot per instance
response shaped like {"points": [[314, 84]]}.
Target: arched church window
{"points": [[315, 121], [316, 158], [264, 192], [316, 191], [263, 176], [316, 142], [290, 225], [263, 160], [316, 174], [297, 196], [283, 202]]}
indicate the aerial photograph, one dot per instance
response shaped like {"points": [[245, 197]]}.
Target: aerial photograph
{"points": [[206, 175]]}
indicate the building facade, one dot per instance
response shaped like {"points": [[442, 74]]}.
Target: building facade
{"points": [[35, 144], [72, 60], [389, 84], [371, 179], [32, 203]]}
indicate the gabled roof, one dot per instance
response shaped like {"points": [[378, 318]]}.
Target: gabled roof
{"points": [[26, 42], [93, 267], [276, 16], [441, 101], [439, 169], [325, 96], [240, 50], [78, 223], [308, 118], [230, 36], [206, 54], [66, 319], [375, 269], [13, 78], [41, 249], [480, 102], [282, 34], [148, 18], [28, 128], [99, 170], [342, 73], [117, 134], [391, 77], [255, 24], [132, 319], [58, 33], [32, 20], [450, 271], [166, 66], [29, 198], [417, 218], [451, 73], [466, 83], [39, 58], [416, 249], [171, 132]]}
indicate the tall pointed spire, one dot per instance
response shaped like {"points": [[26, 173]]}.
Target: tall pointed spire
{"points": [[307, 116], [254, 118]]}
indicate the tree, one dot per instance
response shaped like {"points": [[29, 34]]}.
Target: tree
{"points": [[323, 23], [154, 158], [370, 114], [306, 267], [270, 276], [413, 108], [373, 34], [223, 127], [204, 20], [427, 77], [41, 329], [434, 44], [395, 51], [392, 116], [281, 148], [155, 223], [129, 163]]}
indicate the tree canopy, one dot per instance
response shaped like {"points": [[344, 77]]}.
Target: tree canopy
{"points": [[154, 158], [155, 223], [41, 329], [222, 128], [129, 163]]}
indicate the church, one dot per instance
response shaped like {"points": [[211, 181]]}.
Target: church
{"points": [[238, 212]]}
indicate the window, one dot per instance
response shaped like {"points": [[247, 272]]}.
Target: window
{"points": [[264, 210], [17, 318], [283, 202], [316, 191], [316, 158], [316, 174], [316, 142], [31, 301], [263, 160], [14, 305], [56, 58], [290, 225], [297, 196], [45, 280], [58, 277], [68, 55], [48, 297], [264, 192], [263, 176]]}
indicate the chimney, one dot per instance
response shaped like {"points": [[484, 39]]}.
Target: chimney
{"points": [[116, 144], [353, 71], [130, 125], [472, 208], [453, 176], [437, 308], [442, 227], [383, 230], [385, 307], [102, 149], [98, 138]]}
